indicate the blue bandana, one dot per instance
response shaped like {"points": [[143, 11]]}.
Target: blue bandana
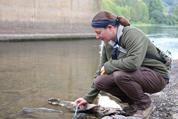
{"points": [[104, 23]]}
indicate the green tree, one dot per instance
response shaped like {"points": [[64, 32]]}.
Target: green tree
{"points": [[134, 10], [139, 11], [158, 13], [175, 14], [157, 16], [146, 11], [110, 5], [176, 11]]}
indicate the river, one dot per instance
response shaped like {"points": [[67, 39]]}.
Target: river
{"points": [[164, 37], [32, 72]]}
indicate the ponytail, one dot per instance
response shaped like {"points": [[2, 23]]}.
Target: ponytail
{"points": [[123, 21]]}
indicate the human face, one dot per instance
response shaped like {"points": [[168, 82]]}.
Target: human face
{"points": [[105, 34]]}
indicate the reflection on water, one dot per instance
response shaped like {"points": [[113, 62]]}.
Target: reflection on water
{"points": [[166, 38], [167, 44], [32, 72], [161, 31]]}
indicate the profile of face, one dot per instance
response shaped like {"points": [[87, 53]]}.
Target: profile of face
{"points": [[105, 34]]}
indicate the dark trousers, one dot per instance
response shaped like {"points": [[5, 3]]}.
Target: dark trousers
{"points": [[131, 87]]}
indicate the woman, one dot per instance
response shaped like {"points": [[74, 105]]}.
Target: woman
{"points": [[126, 69]]}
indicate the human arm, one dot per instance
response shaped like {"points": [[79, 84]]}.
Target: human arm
{"points": [[89, 98]]}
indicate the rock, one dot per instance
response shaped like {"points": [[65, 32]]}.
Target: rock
{"points": [[115, 117], [175, 109], [175, 116], [120, 117]]}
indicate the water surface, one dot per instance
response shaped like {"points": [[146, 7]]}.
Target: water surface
{"points": [[164, 37], [32, 72]]}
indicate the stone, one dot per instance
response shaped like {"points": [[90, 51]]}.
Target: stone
{"points": [[175, 116]]}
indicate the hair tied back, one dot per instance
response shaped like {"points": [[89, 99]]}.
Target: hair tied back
{"points": [[118, 20], [123, 21]]}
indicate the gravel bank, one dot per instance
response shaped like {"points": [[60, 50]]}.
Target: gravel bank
{"points": [[166, 101]]}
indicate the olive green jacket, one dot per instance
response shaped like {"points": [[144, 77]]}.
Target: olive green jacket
{"points": [[137, 46]]}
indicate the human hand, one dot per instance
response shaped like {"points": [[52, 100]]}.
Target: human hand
{"points": [[81, 103], [102, 71]]}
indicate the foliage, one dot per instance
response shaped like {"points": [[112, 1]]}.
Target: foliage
{"points": [[139, 12], [119, 10], [158, 14], [144, 11], [176, 10]]}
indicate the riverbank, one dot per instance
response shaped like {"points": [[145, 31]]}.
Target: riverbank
{"points": [[153, 25]]}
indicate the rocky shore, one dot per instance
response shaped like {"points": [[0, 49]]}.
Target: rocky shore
{"points": [[166, 101]]}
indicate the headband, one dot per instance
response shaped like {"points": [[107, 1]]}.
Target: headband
{"points": [[104, 23]]}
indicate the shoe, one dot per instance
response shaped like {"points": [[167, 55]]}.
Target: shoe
{"points": [[145, 114]]}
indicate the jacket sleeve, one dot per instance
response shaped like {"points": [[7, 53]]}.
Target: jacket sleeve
{"points": [[136, 44], [92, 94]]}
